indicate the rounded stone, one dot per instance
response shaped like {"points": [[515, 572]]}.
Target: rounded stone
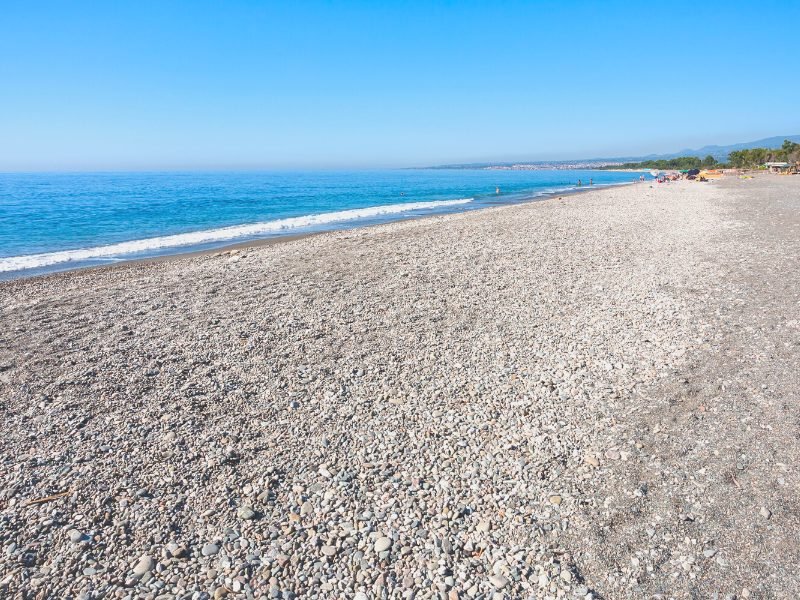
{"points": [[145, 565], [382, 544], [75, 536]]}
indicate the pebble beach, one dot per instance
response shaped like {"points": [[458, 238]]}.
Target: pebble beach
{"points": [[586, 397]]}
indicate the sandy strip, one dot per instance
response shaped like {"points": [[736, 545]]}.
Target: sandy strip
{"points": [[587, 397]]}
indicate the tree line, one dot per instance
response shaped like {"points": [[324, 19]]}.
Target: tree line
{"points": [[754, 157], [739, 159], [672, 164]]}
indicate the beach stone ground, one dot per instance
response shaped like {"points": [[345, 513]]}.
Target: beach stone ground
{"points": [[593, 396]]}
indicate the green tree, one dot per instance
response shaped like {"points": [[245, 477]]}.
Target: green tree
{"points": [[751, 158], [736, 159], [758, 156], [790, 147], [708, 162]]}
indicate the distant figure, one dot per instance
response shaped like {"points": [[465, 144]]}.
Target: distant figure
{"points": [[497, 190], [579, 183], [590, 181], [402, 193]]}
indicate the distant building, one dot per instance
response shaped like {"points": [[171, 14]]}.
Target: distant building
{"points": [[777, 167]]}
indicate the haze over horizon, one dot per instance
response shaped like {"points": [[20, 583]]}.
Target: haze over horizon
{"points": [[350, 85]]}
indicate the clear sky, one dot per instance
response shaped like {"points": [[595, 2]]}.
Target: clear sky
{"points": [[256, 84]]}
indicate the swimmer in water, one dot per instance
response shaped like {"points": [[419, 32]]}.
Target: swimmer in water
{"points": [[497, 190]]}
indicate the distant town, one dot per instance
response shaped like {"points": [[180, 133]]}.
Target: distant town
{"points": [[536, 166], [553, 165]]}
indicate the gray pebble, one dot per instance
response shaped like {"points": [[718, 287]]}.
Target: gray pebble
{"points": [[246, 513], [145, 565]]}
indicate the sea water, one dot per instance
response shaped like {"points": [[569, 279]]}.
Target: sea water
{"points": [[59, 221]]}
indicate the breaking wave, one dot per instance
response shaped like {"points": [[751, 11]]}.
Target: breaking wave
{"points": [[32, 261]]}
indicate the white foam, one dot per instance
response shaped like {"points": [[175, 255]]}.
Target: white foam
{"points": [[32, 261]]}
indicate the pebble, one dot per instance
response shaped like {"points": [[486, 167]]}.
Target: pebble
{"points": [[592, 460], [209, 550], [176, 550], [246, 513], [145, 565], [382, 544], [75, 536], [220, 592]]}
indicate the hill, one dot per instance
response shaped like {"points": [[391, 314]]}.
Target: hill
{"points": [[720, 153]]}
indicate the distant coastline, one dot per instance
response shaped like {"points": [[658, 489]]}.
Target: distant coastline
{"points": [[534, 166], [719, 153]]}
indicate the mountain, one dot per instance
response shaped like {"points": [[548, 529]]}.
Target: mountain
{"points": [[721, 152], [718, 152]]}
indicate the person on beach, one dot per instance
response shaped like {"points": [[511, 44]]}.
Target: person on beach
{"points": [[579, 183], [590, 181]]}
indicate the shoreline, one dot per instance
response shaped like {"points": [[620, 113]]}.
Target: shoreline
{"points": [[280, 239]]}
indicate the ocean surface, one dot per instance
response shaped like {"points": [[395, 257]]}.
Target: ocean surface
{"points": [[58, 221]]}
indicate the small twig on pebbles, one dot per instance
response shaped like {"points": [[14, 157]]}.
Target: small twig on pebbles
{"points": [[48, 498]]}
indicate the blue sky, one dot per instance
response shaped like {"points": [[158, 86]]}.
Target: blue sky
{"points": [[235, 84]]}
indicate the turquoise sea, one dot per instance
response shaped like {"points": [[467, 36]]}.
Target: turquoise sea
{"points": [[59, 221]]}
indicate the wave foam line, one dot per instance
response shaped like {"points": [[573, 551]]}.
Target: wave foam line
{"points": [[32, 261]]}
